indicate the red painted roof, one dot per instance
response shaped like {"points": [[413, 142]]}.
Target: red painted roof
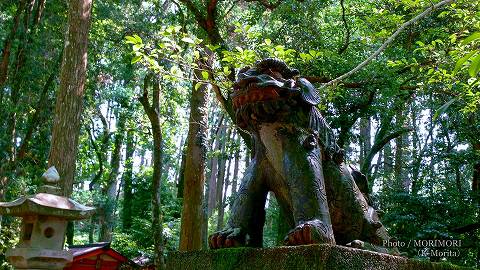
{"points": [[86, 251]]}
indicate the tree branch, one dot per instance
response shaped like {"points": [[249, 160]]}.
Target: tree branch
{"points": [[198, 16], [346, 40], [388, 41], [378, 145], [317, 79]]}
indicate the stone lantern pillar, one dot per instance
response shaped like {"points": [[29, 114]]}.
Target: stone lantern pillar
{"points": [[44, 222]]}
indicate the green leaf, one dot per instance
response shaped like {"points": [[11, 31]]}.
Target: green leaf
{"points": [[443, 108], [188, 40], [268, 41], [474, 66], [136, 59], [461, 61], [137, 39], [130, 40], [137, 47], [226, 71], [205, 75], [471, 38], [197, 85]]}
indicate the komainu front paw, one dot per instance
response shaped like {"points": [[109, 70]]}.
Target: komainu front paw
{"points": [[310, 232], [230, 237]]}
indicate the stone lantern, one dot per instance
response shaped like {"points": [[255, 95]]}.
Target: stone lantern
{"points": [[44, 222]]}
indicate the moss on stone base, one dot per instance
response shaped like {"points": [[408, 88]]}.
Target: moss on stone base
{"points": [[312, 257]]}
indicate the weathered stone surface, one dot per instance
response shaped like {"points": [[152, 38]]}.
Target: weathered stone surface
{"points": [[46, 205], [311, 257]]}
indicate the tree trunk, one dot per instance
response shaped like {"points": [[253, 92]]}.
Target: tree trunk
{"points": [[178, 162], [106, 227], [91, 229], [68, 108], [221, 180], [476, 174], [70, 233], [39, 113], [181, 174], [236, 167], [7, 46], [153, 113], [212, 183], [388, 159], [223, 202], [399, 155], [102, 151], [365, 142], [128, 182], [192, 212], [25, 39]]}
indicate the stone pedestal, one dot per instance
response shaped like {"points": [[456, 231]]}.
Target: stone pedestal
{"points": [[311, 257], [37, 258]]}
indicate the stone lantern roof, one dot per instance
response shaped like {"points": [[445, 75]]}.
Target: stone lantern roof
{"points": [[47, 203]]}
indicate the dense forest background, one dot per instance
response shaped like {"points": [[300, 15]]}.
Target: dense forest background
{"points": [[157, 90]]}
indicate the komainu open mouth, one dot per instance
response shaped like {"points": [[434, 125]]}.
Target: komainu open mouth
{"points": [[269, 91]]}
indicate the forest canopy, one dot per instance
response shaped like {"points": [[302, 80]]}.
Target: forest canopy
{"points": [[157, 132]]}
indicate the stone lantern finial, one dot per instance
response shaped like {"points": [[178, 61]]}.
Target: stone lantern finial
{"points": [[51, 178]]}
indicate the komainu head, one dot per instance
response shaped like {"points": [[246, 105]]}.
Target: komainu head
{"points": [[269, 92]]}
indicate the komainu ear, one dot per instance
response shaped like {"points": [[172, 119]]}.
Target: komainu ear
{"points": [[308, 91]]}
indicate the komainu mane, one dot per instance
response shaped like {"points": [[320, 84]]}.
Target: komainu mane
{"points": [[296, 158]]}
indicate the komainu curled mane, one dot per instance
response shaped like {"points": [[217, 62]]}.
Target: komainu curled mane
{"points": [[296, 158]]}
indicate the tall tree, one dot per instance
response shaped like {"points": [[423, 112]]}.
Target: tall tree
{"points": [[68, 107], [193, 212], [128, 182], [153, 112], [110, 192]]}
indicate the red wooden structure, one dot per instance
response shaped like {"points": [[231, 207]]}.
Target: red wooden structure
{"points": [[98, 256]]}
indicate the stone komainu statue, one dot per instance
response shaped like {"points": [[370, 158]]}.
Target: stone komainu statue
{"points": [[296, 158]]}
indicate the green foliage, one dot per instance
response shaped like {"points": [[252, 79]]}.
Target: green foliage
{"points": [[8, 239], [427, 79]]}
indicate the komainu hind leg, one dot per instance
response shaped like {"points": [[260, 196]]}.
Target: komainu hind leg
{"points": [[245, 226], [355, 223]]}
